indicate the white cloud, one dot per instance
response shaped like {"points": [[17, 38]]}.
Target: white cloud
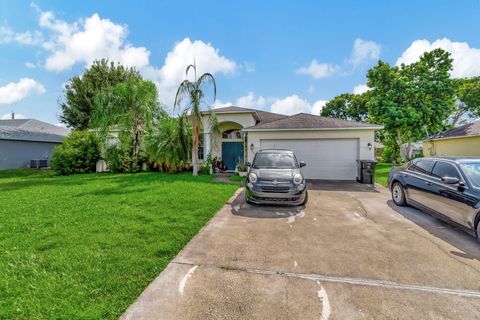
{"points": [[91, 38], [61, 124], [7, 35], [289, 105], [8, 116], [318, 106], [249, 66], [247, 101], [465, 58], [364, 51], [361, 88], [220, 104], [185, 52], [30, 65], [251, 101], [319, 70], [14, 92], [86, 40], [294, 104]]}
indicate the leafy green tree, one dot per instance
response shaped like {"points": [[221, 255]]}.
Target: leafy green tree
{"points": [[192, 94], [412, 101], [129, 109], [347, 106], [468, 99], [80, 91]]}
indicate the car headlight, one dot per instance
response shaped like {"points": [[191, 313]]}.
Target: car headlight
{"points": [[297, 179], [252, 177]]}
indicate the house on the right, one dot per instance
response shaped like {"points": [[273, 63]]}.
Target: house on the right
{"points": [[459, 141]]}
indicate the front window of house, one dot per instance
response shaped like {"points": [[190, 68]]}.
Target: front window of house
{"points": [[200, 147], [232, 134]]}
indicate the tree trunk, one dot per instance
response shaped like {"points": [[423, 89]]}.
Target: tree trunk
{"points": [[195, 148], [408, 151], [400, 144]]}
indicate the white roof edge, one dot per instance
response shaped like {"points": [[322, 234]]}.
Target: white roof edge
{"points": [[220, 112], [455, 137], [315, 129]]}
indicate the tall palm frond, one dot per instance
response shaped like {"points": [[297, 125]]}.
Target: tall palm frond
{"points": [[207, 78]]}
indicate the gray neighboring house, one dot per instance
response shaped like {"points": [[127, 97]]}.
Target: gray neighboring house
{"points": [[23, 140]]}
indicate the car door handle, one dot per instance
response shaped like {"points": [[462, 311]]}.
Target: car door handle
{"points": [[428, 183]]}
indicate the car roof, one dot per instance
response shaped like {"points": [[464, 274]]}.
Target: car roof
{"points": [[274, 151], [453, 159]]}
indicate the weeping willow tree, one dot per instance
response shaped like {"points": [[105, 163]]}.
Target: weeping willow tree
{"points": [[190, 95], [129, 108]]}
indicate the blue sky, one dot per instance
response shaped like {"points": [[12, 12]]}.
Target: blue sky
{"points": [[284, 56]]}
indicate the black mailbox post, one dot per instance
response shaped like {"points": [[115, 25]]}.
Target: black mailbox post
{"points": [[366, 171]]}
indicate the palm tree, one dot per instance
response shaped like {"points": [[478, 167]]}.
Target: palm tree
{"points": [[193, 93], [169, 143]]}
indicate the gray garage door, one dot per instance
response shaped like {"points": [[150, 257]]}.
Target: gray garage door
{"points": [[331, 159]]}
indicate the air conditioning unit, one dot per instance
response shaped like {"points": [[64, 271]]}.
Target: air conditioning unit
{"points": [[43, 163], [38, 163], [34, 164]]}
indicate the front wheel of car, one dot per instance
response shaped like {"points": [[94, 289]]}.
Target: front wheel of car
{"points": [[478, 231], [306, 198], [398, 194]]}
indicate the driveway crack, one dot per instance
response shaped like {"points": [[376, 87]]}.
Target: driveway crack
{"points": [[344, 280]]}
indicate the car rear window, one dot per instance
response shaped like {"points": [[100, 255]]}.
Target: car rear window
{"points": [[267, 160], [472, 170], [445, 169], [422, 166]]}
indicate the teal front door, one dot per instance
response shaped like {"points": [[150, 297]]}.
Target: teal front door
{"points": [[232, 153]]}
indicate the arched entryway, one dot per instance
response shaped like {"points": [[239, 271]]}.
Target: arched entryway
{"points": [[232, 144]]}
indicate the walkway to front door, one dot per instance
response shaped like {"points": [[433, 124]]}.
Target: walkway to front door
{"points": [[232, 153]]}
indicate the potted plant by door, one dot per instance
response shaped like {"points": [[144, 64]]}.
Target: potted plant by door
{"points": [[242, 169]]}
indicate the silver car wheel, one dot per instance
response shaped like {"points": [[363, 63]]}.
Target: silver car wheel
{"points": [[397, 193]]}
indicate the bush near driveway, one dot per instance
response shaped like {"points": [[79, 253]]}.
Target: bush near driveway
{"points": [[85, 246]]}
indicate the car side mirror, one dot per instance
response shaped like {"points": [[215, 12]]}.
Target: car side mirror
{"points": [[302, 164], [450, 180], [248, 164]]}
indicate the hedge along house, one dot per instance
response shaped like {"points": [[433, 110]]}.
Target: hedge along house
{"points": [[331, 147], [460, 141], [23, 140]]}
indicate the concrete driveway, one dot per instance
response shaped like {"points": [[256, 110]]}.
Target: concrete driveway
{"points": [[349, 254]]}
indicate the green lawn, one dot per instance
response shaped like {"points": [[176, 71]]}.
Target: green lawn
{"points": [[239, 179], [86, 246], [381, 173]]}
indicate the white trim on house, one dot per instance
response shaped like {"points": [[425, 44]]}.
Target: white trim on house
{"points": [[315, 129], [456, 137]]}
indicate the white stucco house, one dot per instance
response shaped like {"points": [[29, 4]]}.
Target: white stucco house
{"points": [[330, 147]]}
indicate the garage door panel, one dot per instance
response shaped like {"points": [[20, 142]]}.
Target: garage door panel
{"points": [[333, 159]]}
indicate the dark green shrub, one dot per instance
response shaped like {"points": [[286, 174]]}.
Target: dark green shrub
{"points": [[79, 153], [391, 153], [120, 160]]}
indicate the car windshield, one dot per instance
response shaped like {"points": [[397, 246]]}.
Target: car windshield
{"points": [[271, 160], [472, 170]]}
